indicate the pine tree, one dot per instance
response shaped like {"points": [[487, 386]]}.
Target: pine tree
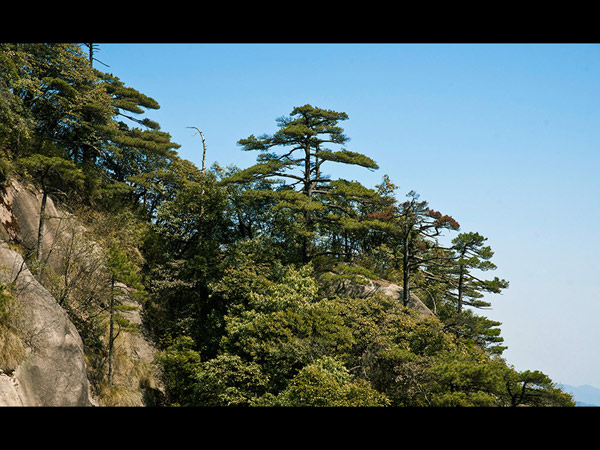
{"points": [[470, 254], [59, 91], [134, 156], [124, 281], [16, 125], [305, 136], [453, 283], [418, 226]]}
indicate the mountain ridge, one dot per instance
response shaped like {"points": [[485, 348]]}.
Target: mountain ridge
{"points": [[584, 395]]}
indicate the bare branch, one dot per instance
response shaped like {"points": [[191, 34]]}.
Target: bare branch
{"points": [[203, 146]]}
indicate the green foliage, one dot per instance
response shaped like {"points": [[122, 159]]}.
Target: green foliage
{"points": [[292, 347], [534, 388], [231, 265], [5, 170], [16, 126], [464, 381], [121, 268], [179, 363], [469, 253], [53, 173], [282, 324], [304, 135], [228, 380], [327, 382]]}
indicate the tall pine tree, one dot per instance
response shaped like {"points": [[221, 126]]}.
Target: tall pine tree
{"points": [[304, 137], [418, 227]]}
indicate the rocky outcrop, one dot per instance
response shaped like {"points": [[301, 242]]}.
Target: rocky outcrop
{"points": [[53, 372], [360, 286], [19, 215]]}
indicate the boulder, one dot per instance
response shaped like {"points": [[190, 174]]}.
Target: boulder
{"points": [[360, 286], [53, 372]]}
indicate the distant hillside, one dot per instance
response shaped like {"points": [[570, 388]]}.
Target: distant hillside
{"points": [[583, 395]]}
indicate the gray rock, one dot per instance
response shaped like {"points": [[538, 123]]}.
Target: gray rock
{"points": [[362, 287], [53, 372]]}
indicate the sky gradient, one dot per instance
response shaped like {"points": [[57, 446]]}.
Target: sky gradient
{"points": [[503, 137]]}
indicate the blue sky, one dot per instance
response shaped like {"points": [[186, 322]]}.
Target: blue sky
{"points": [[503, 137]]}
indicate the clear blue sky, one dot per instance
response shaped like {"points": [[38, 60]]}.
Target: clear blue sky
{"points": [[503, 137]]}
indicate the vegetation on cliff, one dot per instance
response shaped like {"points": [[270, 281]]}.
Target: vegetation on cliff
{"points": [[228, 263]]}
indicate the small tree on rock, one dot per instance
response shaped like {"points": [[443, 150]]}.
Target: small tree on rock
{"points": [[124, 281], [53, 174]]}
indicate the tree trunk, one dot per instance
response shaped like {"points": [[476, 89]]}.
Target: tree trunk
{"points": [[405, 270], [460, 288], [111, 330], [306, 189], [346, 247], [41, 230]]}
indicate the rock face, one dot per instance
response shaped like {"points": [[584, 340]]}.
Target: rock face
{"points": [[367, 287], [53, 372]]}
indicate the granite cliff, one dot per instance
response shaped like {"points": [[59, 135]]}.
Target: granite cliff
{"points": [[53, 369]]}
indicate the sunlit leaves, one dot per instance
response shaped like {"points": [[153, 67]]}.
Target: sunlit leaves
{"points": [[326, 382]]}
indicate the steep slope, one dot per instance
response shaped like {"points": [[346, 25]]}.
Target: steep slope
{"points": [[54, 370]]}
